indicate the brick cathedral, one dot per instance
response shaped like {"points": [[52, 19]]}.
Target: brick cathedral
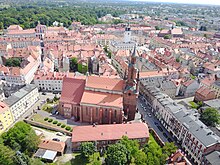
{"points": [[101, 100]]}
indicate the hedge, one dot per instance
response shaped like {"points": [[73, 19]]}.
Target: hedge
{"points": [[68, 128], [55, 122], [63, 126], [59, 124], [50, 120], [46, 118]]}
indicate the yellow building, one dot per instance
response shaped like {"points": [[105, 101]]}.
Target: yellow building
{"points": [[6, 118]]}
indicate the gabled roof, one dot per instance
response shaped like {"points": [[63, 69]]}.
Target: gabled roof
{"points": [[111, 84], [72, 90]]}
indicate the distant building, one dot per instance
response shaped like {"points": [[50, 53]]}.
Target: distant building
{"points": [[204, 94], [22, 100], [188, 88], [127, 43], [104, 135]]}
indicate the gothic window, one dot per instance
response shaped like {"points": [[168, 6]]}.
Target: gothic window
{"points": [[87, 111], [106, 112], [97, 111]]}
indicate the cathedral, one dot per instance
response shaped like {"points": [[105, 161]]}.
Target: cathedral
{"points": [[101, 100]]}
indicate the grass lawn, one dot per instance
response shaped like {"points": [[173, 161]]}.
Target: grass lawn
{"points": [[78, 160]]}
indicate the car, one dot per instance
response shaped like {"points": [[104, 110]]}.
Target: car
{"points": [[43, 93], [59, 134], [165, 135], [160, 128], [170, 140], [149, 114], [142, 105], [156, 123], [145, 109], [56, 139]]}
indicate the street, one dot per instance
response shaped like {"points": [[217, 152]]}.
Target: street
{"points": [[152, 121]]}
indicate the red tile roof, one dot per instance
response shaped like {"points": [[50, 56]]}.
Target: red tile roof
{"points": [[105, 83], [102, 99], [109, 132], [52, 145], [72, 90]]}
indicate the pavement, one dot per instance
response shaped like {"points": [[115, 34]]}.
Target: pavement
{"points": [[152, 121]]}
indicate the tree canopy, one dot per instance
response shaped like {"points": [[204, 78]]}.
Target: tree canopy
{"points": [[87, 149], [13, 62], [210, 117]]}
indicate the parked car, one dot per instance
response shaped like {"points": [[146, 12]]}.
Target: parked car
{"points": [[56, 139], [145, 109], [170, 140], [149, 114], [156, 123], [165, 135], [44, 93], [59, 134], [159, 127]]}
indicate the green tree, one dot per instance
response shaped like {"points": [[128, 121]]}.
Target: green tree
{"points": [[87, 149], [167, 36], [35, 162], [116, 154], [13, 62], [6, 155], [132, 147], [157, 27], [1, 26], [177, 59], [140, 158], [169, 148], [210, 116], [21, 137]]}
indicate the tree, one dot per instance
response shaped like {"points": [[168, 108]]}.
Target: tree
{"points": [[22, 138], [210, 116], [87, 149], [167, 36], [35, 162], [6, 155], [140, 158], [157, 27], [116, 154], [13, 62], [1, 26], [169, 148], [132, 147]]}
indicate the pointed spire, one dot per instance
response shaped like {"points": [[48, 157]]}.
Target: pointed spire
{"points": [[134, 51]]}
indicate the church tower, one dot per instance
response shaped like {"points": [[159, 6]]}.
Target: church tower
{"points": [[127, 34], [131, 89]]}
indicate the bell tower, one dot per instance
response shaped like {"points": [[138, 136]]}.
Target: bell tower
{"points": [[131, 88], [127, 34]]}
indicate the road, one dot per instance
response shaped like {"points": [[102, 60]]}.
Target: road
{"points": [[152, 121]]}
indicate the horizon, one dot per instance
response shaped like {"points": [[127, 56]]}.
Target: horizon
{"points": [[202, 2]]}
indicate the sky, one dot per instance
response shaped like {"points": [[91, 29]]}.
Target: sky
{"points": [[213, 2]]}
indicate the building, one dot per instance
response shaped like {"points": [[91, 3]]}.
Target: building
{"points": [[103, 135], [22, 100], [178, 158], [196, 139], [51, 81], [101, 100], [49, 150], [127, 43], [6, 118], [188, 88], [204, 94], [212, 158]]}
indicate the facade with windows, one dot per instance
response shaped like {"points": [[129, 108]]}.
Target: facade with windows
{"points": [[6, 118], [20, 101]]}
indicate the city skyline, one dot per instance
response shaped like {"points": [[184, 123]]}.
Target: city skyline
{"points": [[210, 2]]}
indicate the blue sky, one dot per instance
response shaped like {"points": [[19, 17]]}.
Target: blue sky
{"points": [[214, 2]]}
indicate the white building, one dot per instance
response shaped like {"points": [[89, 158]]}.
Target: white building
{"points": [[184, 125], [51, 81], [22, 100]]}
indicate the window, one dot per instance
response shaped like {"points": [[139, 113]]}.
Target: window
{"points": [[87, 111], [115, 113], [97, 111], [106, 112]]}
